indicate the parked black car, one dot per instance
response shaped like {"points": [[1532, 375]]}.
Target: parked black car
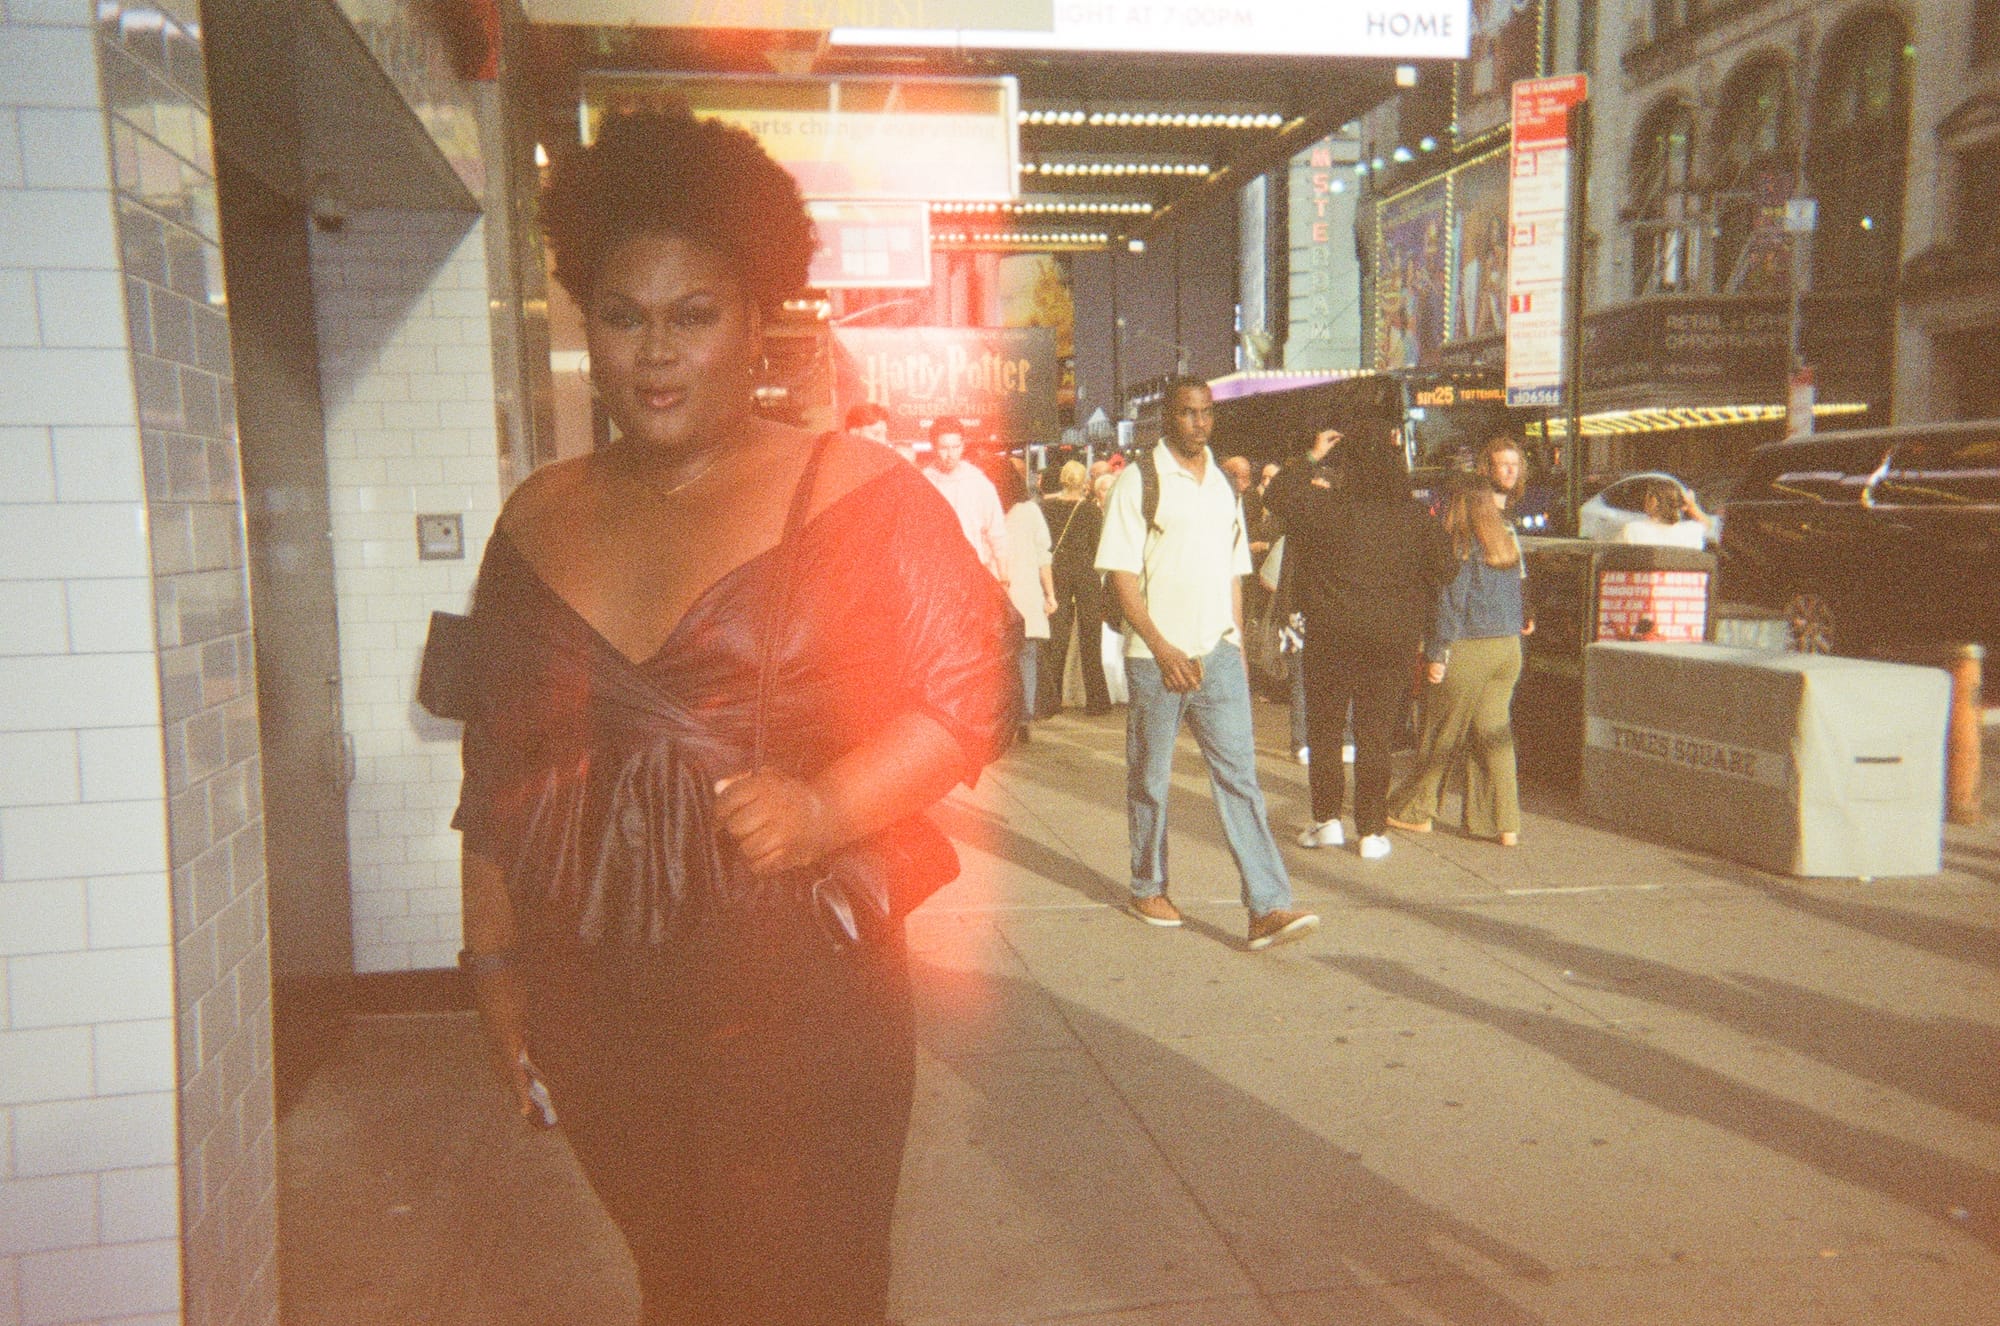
{"points": [[1872, 542]]}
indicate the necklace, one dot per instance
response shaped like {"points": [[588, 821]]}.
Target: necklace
{"points": [[689, 482]]}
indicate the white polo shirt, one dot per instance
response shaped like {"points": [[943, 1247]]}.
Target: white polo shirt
{"points": [[1189, 568]]}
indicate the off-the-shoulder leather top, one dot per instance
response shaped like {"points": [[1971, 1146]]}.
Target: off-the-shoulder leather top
{"points": [[589, 778]]}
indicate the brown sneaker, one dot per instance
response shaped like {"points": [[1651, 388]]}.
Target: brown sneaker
{"points": [[1155, 910], [1280, 926]]}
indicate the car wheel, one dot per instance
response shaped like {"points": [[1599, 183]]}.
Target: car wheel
{"points": [[1810, 618]]}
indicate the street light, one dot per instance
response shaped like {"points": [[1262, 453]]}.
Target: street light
{"points": [[1801, 220]]}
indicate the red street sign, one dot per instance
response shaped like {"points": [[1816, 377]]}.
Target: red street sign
{"points": [[1542, 106]]}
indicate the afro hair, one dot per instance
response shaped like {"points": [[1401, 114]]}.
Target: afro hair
{"points": [[666, 172]]}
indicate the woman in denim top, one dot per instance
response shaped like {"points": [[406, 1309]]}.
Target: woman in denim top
{"points": [[1473, 660]]}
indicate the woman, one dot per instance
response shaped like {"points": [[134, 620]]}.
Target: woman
{"points": [[723, 666], [1670, 518], [1364, 561], [1030, 576], [1075, 521], [1472, 659]]}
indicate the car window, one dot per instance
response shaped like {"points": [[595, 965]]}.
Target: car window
{"points": [[1625, 495], [1956, 471], [1820, 472]]}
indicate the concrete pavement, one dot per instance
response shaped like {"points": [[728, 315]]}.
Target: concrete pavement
{"points": [[1592, 1080]]}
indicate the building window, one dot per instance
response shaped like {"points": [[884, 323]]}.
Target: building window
{"points": [[1975, 202], [1972, 388], [1670, 16], [1855, 162], [1985, 43], [1755, 169], [1665, 236]]}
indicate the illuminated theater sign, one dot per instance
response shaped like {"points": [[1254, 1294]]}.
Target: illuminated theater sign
{"points": [[1363, 29], [1379, 29], [865, 139], [795, 15], [998, 381]]}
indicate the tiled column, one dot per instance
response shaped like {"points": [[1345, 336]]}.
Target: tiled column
{"points": [[406, 375], [88, 1220], [136, 1135]]}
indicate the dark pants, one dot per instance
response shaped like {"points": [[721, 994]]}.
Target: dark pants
{"points": [[740, 1104], [1377, 682], [1079, 605]]}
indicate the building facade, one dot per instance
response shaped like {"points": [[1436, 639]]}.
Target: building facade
{"points": [[1779, 194]]}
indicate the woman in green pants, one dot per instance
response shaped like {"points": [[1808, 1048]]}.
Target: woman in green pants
{"points": [[1473, 659]]}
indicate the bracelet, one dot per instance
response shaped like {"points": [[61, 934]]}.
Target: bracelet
{"points": [[485, 964]]}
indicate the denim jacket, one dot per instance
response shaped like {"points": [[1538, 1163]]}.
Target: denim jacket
{"points": [[1481, 603]]}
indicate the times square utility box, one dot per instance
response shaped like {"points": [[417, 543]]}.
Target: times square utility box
{"points": [[1801, 764]]}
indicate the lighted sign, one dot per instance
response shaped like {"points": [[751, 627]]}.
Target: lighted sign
{"points": [[1447, 394], [1538, 237], [1377, 29], [870, 139], [793, 15], [999, 381], [871, 246]]}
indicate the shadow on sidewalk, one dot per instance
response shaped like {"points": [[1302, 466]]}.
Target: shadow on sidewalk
{"points": [[1927, 1182], [1956, 940], [1294, 1213], [1132, 1180], [989, 833], [1948, 1062]]}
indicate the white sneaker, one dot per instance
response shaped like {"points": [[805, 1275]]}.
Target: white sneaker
{"points": [[1374, 847], [1327, 833], [1347, 753], [1305, 755]]}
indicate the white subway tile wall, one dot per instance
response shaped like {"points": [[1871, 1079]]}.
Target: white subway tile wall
{"points": [[407, 383], [122, 582], [86, 987], [171, 312]]}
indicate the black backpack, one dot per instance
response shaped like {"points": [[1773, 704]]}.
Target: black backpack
{"points": [[1149, 507]]}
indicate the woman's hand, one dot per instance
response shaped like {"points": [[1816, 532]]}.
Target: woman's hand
{"points": [[779, 823], [1434, 671], [1324, 441], [497, 995], [1049, 604]]}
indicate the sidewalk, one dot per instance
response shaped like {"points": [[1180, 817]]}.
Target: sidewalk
{"points": [[1589, 1082]]}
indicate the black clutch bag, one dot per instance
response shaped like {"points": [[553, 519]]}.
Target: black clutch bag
{"points": [[447, 681]]}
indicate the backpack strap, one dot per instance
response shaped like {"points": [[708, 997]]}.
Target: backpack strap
{"points": [[1149, 490]]}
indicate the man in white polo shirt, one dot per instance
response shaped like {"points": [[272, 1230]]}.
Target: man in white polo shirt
{"points": [[972, 496], [1178, 580]]}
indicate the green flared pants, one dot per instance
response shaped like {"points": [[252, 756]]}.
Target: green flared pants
{"points": [[1469, 715]]}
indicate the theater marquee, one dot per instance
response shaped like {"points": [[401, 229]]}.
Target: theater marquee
{"points": [[1364, 29], [866, 139]]}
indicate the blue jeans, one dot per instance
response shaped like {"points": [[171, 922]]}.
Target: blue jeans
{"points": [[1029, 661], [1219, 712]]}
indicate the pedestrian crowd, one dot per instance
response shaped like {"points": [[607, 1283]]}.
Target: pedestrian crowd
{"points": [[715, 672], [1384, 618]]}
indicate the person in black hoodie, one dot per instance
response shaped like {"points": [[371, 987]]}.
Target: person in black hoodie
{"points": [[1370, 561]]}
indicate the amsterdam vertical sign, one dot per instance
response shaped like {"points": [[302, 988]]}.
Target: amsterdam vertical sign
{"points": [[1538, 222]]}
